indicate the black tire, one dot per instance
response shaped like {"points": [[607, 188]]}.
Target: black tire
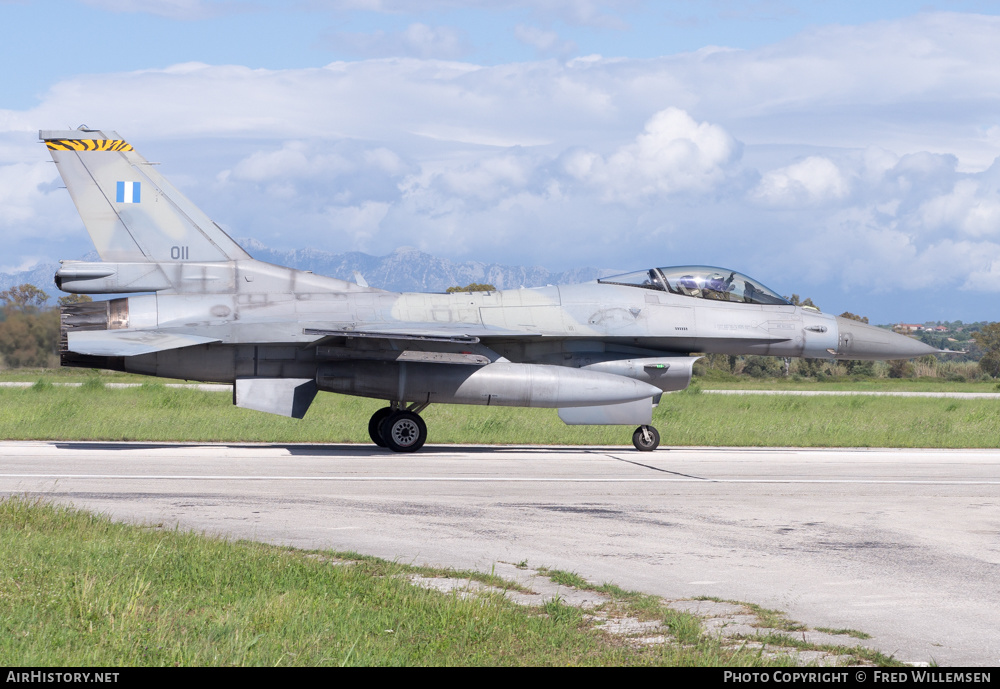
{"points": [[643, 443], [404, 431], [373, 424]]}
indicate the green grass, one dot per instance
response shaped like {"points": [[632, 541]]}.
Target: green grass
{"points": [[775, 619], [641, 605], [157, 413], [720, 380], [844, 632], [564, 578], [688, 630], [80, 590], [75, 375], [684, 627], [777, 632], [781, 641], [860, 385]]}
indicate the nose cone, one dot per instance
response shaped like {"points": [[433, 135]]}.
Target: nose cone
{"points": [[861, 341]]}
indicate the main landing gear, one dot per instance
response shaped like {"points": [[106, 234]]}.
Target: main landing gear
{"points": [[645, 438], [400, 430]]}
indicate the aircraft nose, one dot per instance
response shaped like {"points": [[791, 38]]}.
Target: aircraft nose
{"points": [[861, 341]]}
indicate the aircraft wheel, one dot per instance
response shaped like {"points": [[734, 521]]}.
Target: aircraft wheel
{"points": [[373, 424], [646, 438], [404, 431]]}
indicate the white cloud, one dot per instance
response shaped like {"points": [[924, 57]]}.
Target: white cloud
{"points": [[867, 255], [844, 87], [544, 42], [317, 183], [875, 163], [987, 278], [486, 180], [19, 191], [360, 222], [597, 13], [36, 214], [672, 154], [173, 9], [295, 159], [417, 40], [813, 180], [316, 161], [969, 209]]}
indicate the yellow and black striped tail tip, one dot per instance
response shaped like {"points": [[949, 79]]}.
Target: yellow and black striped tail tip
{"points": [[88, 145]]}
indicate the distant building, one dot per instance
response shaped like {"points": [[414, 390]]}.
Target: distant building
{"points": [[908, 327]]}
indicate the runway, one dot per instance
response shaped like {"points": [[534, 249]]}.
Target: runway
{"points": [[901, 544]]}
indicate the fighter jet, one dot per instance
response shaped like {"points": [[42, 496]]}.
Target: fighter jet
{"points": [[601, 352]]}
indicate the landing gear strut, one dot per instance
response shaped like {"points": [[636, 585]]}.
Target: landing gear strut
{"points": [[400, 430], [645, 438]]}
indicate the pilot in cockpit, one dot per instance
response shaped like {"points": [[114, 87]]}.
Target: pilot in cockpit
{"points": [[689, 285], [718, 288]]}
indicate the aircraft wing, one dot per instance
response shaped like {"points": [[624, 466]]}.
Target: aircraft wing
{"points": [[129, 342], [427, 332], [426, 335], [438, 343]]}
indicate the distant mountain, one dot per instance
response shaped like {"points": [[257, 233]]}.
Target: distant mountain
{"points": [[41, 276], [409, 270], [404, 270]]}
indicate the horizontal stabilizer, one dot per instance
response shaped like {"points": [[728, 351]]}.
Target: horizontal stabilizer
{"points": [[129, 342], [284, 396], [637, 413]]}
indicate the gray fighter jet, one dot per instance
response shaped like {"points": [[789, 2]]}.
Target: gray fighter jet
{"points": [[601, 352]]}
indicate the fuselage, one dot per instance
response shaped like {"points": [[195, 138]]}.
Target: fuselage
{"points": [[264, 317]]}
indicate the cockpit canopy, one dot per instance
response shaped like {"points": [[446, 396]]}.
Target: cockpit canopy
{"points": [[704, 282]]}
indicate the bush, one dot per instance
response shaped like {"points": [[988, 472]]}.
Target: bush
{"points": [[811, 368], [864, 369], [30, 339], [988, 339], [900, 368], [762, 367]]}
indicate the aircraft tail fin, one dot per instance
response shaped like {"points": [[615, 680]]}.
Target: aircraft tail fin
{"points": [[132, 213]]}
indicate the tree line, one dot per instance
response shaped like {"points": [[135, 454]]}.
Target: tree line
{"points": [[29, 330]]}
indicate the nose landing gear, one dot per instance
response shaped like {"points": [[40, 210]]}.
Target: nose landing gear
{"points": [[646, 438]]}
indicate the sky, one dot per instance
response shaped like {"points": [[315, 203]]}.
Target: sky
{"points": [[843, 151]]}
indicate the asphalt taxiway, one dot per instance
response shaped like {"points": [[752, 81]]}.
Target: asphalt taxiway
{"points": [[901, 544]]}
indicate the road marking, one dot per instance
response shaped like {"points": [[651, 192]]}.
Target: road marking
{"points": [[204, 387], [491, 479], [864, 393]]}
